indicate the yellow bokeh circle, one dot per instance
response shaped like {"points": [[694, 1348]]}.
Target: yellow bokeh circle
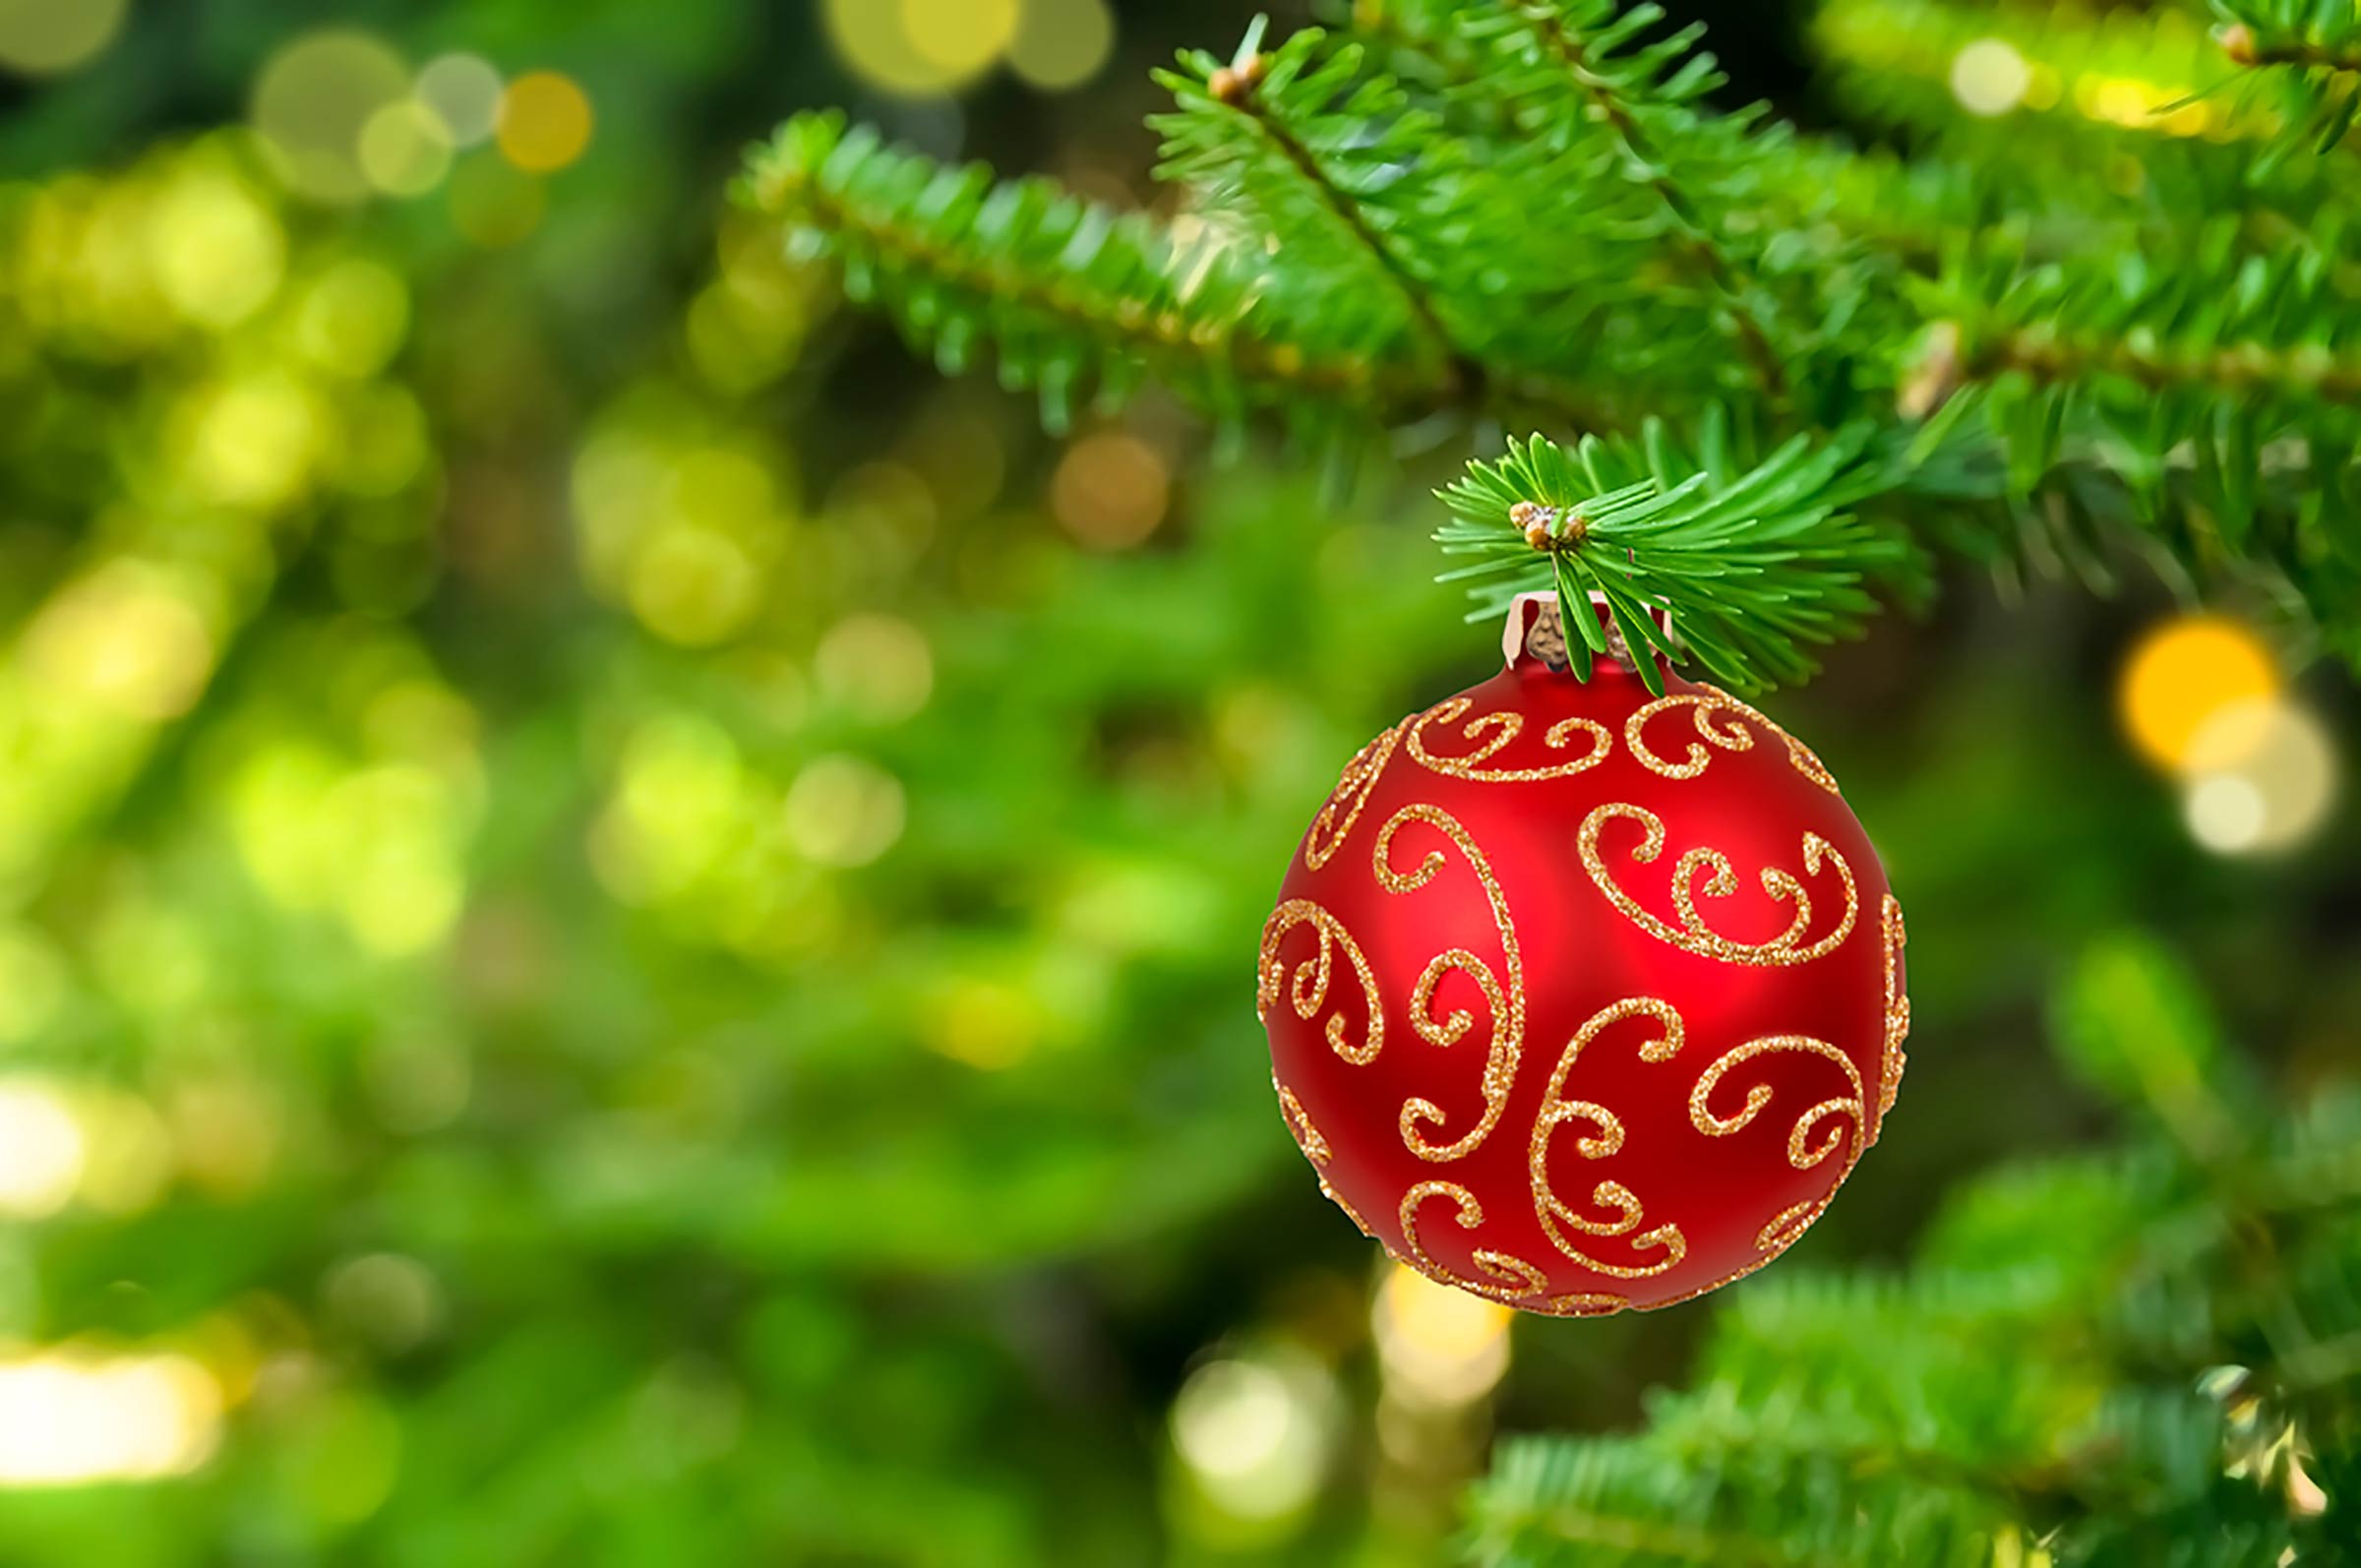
{"points": [[42, 38], [544, 122], [2183, 674]]}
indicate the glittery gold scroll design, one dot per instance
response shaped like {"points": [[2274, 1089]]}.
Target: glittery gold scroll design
{"points": [[1493, 732], [1504, 993], [1692, 933], [1733, 737], [1508, 1277], [1308, 991], [1348, 799], [1898, 1013], [1552, 1210], [1315, 1148], [1784, 1227]]}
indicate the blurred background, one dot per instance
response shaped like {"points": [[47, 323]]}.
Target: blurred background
{"points": [[626, 923]]}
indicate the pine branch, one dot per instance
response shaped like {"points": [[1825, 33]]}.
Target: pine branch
{"points": [[1067, 292], [1632, 90], [2291, 33], [1751, 565]]}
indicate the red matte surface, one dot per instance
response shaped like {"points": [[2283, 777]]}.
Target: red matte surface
{"points": [[1580, 954]]}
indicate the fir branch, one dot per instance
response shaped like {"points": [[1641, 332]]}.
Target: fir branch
{"points": [[1583, 38], [2290, 32], [1053, 283]]}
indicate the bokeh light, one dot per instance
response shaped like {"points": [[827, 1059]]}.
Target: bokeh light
{"points": [[1254, 1432], [219, 252], [350, 319], [1111, 490], [2182, 674], [1060, 44], [876, 665], [544, 122], [43, 37], [312, 101], [463, 91], [41, 1150], [844, 812], [919, 49], [68, 1417], [404, 149], [1438, 1347], [2276, 786], [1989, 77], [129, 637]]}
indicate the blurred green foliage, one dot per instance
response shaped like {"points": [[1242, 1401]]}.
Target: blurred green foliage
{"points": [[621, 943]]}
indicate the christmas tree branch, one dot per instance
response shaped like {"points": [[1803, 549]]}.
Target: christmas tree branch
{"points": [[2291, 33], [1288, 134], [1583, 38]]}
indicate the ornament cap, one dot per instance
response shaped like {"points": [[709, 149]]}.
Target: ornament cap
{"points": [[1533, 634]]}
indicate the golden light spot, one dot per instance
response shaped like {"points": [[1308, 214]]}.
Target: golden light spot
{"points": [[405, 149], [919, 49], [463, 91], [1989, 77], [353, 317], [1062, 43], [959, 36], [493, 204], [694, 585], [1439, 1348], [311, 102], [544, 122], [42, 38], [126, 638], [41, 1150], [1254, 1432], [219, 252], [2183, 673], [229, 1135], [249, 441], [2275, 789], [683, 803], [876, 664], [1111, 490], [70, 1417], [129, 1156], [987, 1024], [844, 812]]}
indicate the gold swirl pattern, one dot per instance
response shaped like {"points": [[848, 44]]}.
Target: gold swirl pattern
{"points": [[1897, 1011], [1548, 1206], [1788, 1223], [1307, 1137], [1308, 990], [1702, 1117], [1508, 1001], [1494, 731], [1693, 934], [1346, 801], [1736, 738], [1508, 1277]]}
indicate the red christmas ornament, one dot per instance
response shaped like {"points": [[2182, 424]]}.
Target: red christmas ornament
{"points": [[1582, 999]]}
